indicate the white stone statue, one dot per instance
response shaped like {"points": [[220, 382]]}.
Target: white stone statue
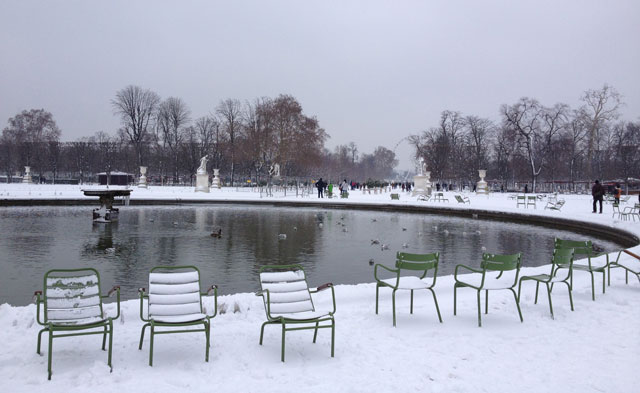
{"points": [[423, 166], [274, 170], [202, 169]]}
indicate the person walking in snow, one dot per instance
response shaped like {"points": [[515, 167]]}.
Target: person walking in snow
{"points": [[597, 191], [617, 193]]}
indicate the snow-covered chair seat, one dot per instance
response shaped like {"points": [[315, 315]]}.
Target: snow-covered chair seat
{"points": [[585, 259], [561, 257], [418, 263], [496, 272], [287, 301], [629, 260], [174, 300], [72, 302]]}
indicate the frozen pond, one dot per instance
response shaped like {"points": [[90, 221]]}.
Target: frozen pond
{"points": [[332, 245]]}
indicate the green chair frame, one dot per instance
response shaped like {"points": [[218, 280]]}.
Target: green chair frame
{"points": [[555, 205], [583, 248], [627, 256], [78, 308], [153, 323], [561, 257], [409, 262], [395, 196], [293, 281], [462, 199], [491, 263], [521, 200]]}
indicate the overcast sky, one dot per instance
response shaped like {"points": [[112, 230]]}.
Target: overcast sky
{"points": [[372, 72]]}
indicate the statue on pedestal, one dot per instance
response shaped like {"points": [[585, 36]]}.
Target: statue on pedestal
{"points": [[202, 169]]}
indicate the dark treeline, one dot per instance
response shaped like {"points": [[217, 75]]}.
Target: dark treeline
{"points": [[532, 143], [243, 140]]}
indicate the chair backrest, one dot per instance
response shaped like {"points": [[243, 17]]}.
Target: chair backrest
{"points": [[418, 262], [72, 296], [459, 198], [288, 291], [580, 247], [563, 256], [174, 291], [497, 262]]}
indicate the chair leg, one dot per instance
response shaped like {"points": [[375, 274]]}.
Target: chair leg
{"points": [[40, 339], [454, 298], [435, 301], [262, 331], [104, 338], [50, 353], [593, 288], [333, 335], [109, 362], [393, 305], [570, 297], [537, 288], [151, 346], [207, 331], [284, 329], [517, 304], [411, 307], [486, 301], [549, 295], [315, 334], [142, 335], [519, 289], [603, 277], [377, 290], [609, 274], [479, 310]]}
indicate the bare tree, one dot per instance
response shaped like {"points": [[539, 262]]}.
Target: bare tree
{"points": [[600, 107], [172, 117], [230, 112], [136, 108], [31, 132]]}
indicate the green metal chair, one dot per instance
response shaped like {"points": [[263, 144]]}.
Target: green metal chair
{"points": [[73, 307], [174, 301], [491, 276], [462, 199], [287, 301], [554, 205], [561, 257], [629, 260], [521, 200], [591, 262], [409, 262]]}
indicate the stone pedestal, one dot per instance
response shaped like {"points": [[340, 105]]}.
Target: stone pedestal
{"points": [[422, 184], [142, 183], [481, 186], [215, 182], [27, 175], [202, 182]]}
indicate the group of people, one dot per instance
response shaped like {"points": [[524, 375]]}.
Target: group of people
{"points": [[321, 185], [598, 191]]}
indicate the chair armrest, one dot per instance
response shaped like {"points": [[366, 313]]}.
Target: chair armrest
{"points": [[213, 290], [142, 293], [455, 272], [321, 288], [37, 297], [375, 270], [116, 290], [333, 293]]}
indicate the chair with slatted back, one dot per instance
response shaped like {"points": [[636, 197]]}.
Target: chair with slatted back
{"points": [[419, 263], [73, 307], [174, 301], [496, 272], [585, 259], [287, 301]]}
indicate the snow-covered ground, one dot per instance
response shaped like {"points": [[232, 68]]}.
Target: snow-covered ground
{"points": [[593, 349]]}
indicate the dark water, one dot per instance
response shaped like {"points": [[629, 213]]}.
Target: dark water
{"points": [[36, 239]]}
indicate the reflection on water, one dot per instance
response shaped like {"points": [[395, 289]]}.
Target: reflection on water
{"points": [[332, 245]]}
